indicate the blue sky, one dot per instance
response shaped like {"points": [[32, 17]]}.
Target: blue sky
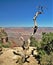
{"points": [[19, 13]]}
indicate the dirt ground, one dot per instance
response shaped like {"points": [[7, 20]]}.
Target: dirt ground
{"points": [[7, 58]]}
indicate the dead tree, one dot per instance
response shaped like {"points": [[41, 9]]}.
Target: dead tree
{"points": [[23, 53], [40, 11]]}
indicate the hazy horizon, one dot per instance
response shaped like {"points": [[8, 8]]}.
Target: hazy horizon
{"points": [[25, 27]]}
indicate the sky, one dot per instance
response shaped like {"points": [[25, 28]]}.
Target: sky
{"points": [[20, 13]]}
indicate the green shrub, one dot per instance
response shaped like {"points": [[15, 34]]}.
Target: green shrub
{"points": [[44, 48], [33, 42]]}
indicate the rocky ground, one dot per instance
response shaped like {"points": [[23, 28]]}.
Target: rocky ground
{"points": [[9, 58]]}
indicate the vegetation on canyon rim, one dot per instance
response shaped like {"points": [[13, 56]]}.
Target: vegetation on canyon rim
{"points": [[44, 48]]}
